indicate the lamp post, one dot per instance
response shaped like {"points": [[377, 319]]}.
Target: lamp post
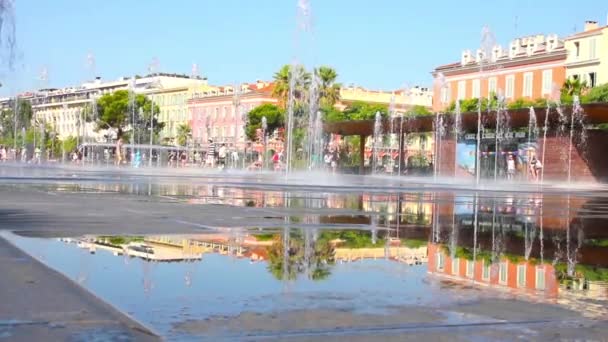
{"points": [[264, 140]]}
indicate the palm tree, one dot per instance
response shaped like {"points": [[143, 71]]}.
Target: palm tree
{"points": [[282, 82], [572, 87], [281, 85], [183, 132], [329, 90]]}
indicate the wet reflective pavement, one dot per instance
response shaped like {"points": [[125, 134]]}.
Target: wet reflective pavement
{"points": [[192, 258]]}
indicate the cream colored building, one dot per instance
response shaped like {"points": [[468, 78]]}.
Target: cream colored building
{"points": [[402, 99], [173, 106], [588, 54], [63, 109]]}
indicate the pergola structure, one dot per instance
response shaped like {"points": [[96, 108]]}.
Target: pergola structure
{"points": [[596, 113]]}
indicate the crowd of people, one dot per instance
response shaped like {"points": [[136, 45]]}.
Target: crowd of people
{"points": [[20, 155]]}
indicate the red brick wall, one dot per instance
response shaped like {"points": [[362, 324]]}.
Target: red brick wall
{"points": [[556, 168], [447, 162]]}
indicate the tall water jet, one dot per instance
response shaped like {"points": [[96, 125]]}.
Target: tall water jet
{"points": [[545, 129], [533, 134], [401, 144], [457, 128], [439, 132], [8, 37], [501, 131], [313, 106], [576, 119], [377, 141], [291, 104], [488, 42], [391, 134]]}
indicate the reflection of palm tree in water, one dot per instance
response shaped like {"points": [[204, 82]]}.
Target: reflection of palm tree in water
{"points": [[313, 261]]}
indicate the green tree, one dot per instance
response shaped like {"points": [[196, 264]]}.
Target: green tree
{"points": [[116, 110], [597, 94], [572, 87], [331, 114], [418, 110], [183, 132], [24, 118], [275, 118], [329, 90], [359, 110], [315, 265]]}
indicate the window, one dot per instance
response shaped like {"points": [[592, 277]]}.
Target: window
{"points": [[528, 78], [462, 90], [547, 81], [476, 89], [510, 86], [470, 268], [502, 273], [521, 275], [492, 85], [577, 49], [440, 262], [540, 278], [592, 79], [592, 47], [486, 271], [444, 95], [455, 266]]}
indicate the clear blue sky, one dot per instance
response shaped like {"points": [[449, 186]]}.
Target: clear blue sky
{"points": [[377, 44]]}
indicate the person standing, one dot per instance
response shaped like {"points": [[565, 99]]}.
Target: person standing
{"points": [[37, 155], [222, 156], [119, 157], [510, 167], [334, 161], [24, 154], [276, 159], [211, 154]]}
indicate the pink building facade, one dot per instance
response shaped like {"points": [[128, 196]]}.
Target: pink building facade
{"points": [[221, 115]]}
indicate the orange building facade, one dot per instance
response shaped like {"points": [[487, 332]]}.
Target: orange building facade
{"points": [[523, 277], [531, 68]]}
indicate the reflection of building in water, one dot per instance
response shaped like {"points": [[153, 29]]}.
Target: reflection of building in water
{"points": [[521, 275], [407, 255], [140, 248], [543, 245], [412, 208]]}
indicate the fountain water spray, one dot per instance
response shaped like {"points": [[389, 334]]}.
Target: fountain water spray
{"points": [[501, 131], [457, 128], [8, 37], [313, 105], [376, 141], [487, 43], [290, 117], [576, 119]]}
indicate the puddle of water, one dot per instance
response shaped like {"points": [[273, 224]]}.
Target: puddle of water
{"points": [[165, 281]]}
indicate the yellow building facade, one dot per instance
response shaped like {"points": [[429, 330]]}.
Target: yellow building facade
{"points": [[403, 99], [588, 55]]}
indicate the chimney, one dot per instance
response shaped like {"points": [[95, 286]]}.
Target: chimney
{"points": [[590, 25]]}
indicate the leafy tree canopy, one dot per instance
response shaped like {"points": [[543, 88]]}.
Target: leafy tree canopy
{"points": [[275, 118], [359, 110], [115, 110]]}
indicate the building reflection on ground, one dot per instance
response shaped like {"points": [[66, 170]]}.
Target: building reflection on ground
{"points": [[542, 247]]}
